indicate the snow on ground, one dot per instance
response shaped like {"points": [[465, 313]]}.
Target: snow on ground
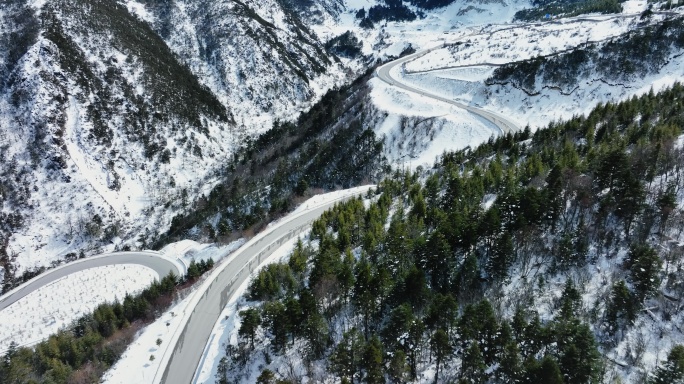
{"points": [[390, 38], [226, 329], [94, 171], [436, 127], [634, 6], [458, 72], [58, 304], [45, 311], [139, 10], [324, 198], [135, 364], [143, 197], [501, 44], [550, 105], [189, 250]]}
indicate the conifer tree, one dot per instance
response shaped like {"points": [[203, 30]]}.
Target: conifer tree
{"points": [[441, 349], [672, 372], [346, 358], [473, 365], [372, 362], [644, 265], [250, 320]]}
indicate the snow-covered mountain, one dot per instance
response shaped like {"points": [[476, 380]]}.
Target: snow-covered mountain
{"points": [[113, 115]]}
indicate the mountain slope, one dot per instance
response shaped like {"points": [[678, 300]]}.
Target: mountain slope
{"points": [[551, 257], [114, 116], [255, 56]]}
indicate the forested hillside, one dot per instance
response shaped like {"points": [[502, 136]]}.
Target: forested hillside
{"points": [[330, 146], [617, 61], [545, 9], [551, 257]]}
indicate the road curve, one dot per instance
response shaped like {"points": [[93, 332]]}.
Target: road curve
{"points": [[150, 259], [384, 73], [218, 289]]}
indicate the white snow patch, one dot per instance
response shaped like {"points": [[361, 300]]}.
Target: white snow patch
{"points": [[139, 10], [135, 365], [56, 305]]}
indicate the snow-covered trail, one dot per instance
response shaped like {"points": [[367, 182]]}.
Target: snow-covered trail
{"points": [[130, 197]]}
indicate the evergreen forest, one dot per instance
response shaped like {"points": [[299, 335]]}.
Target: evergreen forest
{"points": [[85, 350], [529, 259]]}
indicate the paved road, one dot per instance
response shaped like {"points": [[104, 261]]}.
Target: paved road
{"points": [[150, 259], [504, 124], [384, 73], [191, 343]]}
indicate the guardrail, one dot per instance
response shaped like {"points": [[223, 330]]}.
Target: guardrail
{"points": [[213, 278], [177, 264]]}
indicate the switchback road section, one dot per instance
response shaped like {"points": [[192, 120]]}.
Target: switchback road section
{"points": [[384, 73]]}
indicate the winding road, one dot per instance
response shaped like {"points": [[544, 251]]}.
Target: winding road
{"points": [[151, 259], [181, 359], [504, 124], [384, 73], [212, 296]]}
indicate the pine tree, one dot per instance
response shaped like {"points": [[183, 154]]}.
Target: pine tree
{"points": [[398, 368], [250, 320], [276, 320], [644, 266], [621, 309], [580, 360], [414, 346], [545, 371], [222, 371], [346, 358], [372, 362], [317, 336], [441, 349], [414, 289], [672, 372], [510, 364], [193, 270], [398, 324], [571, 301], [266, 377], [473, 365], [502, 257], [442, 312]]}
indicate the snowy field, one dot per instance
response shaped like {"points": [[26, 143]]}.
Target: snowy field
{"points": [[136, 366], [417, 129], [504, 44], [45, 311], [435, 126], [58, 304]]}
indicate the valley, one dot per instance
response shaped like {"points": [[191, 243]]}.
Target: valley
{"points": [[524, 223]]}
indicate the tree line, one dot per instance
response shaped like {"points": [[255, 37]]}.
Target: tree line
{"points": [[619, 60], [416, 278], [83, 351]]}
